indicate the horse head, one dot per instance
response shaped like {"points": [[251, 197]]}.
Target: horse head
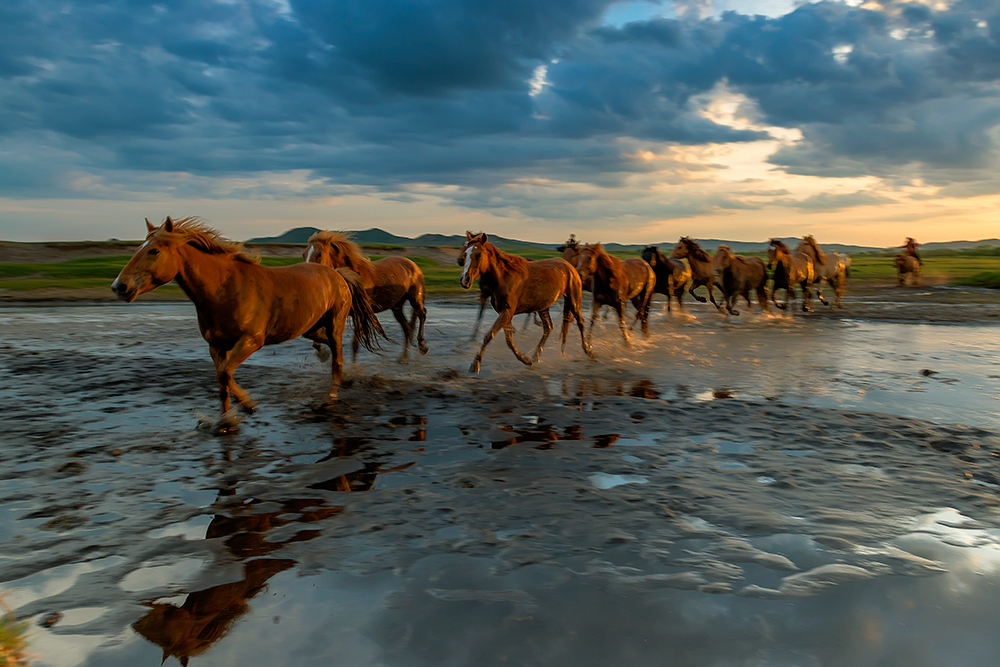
{"points": [[651, 255], [155, 262], [723, 258], [777, 251], [473, 258], [586, 261]]}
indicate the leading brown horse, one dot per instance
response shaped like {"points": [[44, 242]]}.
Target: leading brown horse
{"points": [[672, 275], [908, 263], [243, 306], [391, 282], [614, 282], [702, 267], [516, 285], [738, 275], [790, 269]]}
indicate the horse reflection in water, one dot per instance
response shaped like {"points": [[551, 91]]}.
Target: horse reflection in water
{"points": [[208, 615]]}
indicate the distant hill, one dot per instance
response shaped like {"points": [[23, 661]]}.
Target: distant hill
{"points": [[380, 236]]}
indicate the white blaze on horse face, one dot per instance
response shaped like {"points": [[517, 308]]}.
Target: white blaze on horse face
{"points": [[468, 264], [309, 252]]}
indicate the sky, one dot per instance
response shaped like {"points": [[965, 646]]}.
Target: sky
{"points": [[637, 121]]}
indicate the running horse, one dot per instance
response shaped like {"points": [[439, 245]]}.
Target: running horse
{"points": [[516, 285], [672, 275], [702, 267], [243, 306], [908, 262], [615, 282], [739, 275], [790, 269], [391, 283], [829, 266]]}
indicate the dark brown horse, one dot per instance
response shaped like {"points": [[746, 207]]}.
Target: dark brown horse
{"points": [[243, 306], [702, 267], [790, 269], [517, 286], [390, 283], [614, 282], [829, 266], [672, 275], [739, 275]]}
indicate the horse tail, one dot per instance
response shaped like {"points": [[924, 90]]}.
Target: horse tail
{"points": [[367, 328]]}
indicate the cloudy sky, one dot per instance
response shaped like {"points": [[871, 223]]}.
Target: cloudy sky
{"points": [[626, 121]]}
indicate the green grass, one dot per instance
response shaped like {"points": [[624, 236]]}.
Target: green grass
{"points": [[96, 273]]}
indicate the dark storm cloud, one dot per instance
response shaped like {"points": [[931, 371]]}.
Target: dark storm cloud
{"points": [[380, 93]]}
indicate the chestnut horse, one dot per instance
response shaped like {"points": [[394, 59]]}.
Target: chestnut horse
{"points": [[829, 266], [391, 282], [485, 297], [516, 285], [243, 306], [790, 269], [738, 275], [614, 282], [908, 262], [672, 275], [702, 267]]}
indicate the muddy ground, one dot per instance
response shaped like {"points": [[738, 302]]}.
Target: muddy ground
{"points": [[764, 490]]}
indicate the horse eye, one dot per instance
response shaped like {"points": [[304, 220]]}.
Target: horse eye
{"points": [[153, 252]]}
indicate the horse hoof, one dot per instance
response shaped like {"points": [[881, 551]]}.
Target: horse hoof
{"points": [[423, 347], [474, 368], [403, 360], [734, 312], [249, 406], [226, 426]]}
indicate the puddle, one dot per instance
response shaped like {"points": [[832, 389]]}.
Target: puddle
{"points": [[603, 480]]}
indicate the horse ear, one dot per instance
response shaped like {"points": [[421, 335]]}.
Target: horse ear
{"points": [[168, 224], [149, 226], [468, 235], [484, 237]]}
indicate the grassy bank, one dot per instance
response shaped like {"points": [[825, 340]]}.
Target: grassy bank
{"points": [[90, 277]]}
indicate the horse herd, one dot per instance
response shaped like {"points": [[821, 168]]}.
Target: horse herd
{"points": [[243, 306]]}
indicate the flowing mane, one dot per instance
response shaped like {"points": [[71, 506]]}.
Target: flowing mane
{"points": [[509, 263], [353, 258], [811, 242], [195, 232], [655, 252], [779, 245], [695, 249], [603, 258]]}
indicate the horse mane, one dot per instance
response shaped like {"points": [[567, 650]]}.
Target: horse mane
{"points": [[811, 242], [195, 232], [507, 263], [695, 249], [779, 244], [353, 257]]}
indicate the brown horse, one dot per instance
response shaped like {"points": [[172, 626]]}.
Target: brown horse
{"points": [[738, 275], [672, 275], [702, 267], [391, 282], [907, 265], [829, 266], [243, 306], [517, 286], [614, 282], [790, 269], [485, 296]]}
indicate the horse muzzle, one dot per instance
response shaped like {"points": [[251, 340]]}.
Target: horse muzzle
{"points": [[123, 291], [465, 282]]}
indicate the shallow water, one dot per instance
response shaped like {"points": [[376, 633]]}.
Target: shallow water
{"points": [[693, 499]]}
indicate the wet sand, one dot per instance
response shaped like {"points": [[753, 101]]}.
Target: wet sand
{"points": [[753, 490]]}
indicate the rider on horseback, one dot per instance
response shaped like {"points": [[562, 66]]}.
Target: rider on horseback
{"points": [[911, 246]]}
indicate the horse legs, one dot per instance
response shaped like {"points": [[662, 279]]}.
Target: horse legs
{"points": [[546, 330], [572, 309], [697, 298], [226, 363], [620, 311], [806, 297], [419, 311], [762, 298], [483, 298], [774, 297], [819, 292], [397, 312], [335, 324], [711, 294], [508, 332], [503, 319], [642, 303], [839, 290]]}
